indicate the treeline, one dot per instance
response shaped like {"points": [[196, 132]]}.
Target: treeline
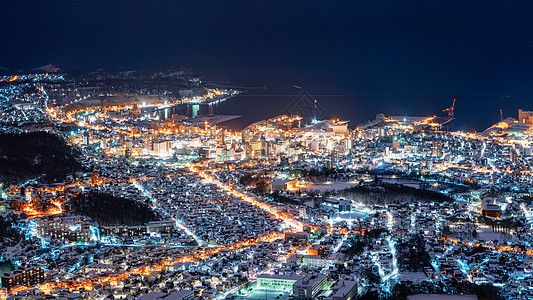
{"points": [[7, 228], [412, 254], [505, 225], [109, 210], [483, 291], [9, 234], [392, 193], [30, 155], [259, 182], [360, 242]]}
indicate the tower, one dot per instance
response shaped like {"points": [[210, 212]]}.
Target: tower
{"points": [[437, 148]]}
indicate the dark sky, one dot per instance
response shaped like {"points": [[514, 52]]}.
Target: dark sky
{"points": [[387, 48]]}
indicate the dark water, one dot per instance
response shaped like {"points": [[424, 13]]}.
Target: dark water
{"points": [[473, 113], [187, 110]]}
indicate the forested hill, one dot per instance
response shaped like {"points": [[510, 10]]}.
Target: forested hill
{"points": [[30, 155], [109, 210]]}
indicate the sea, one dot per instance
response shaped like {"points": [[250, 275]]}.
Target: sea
{"points": [[473, 113]]}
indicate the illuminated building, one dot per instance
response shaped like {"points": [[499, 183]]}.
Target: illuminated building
{"points": [[220, 153], [317, 261], [309, 287], [239, 154], [26, 277], [297, 236], [513, 155], [395, 145], [491, 210], [437, 149], [339, 126], [126, 231], [302, 212], [333, 159], [279, 185], [340, 205], [148, 141], [28, 195], [161, 147], [161, 226], [282, 283], [314, 146], [345, 290], [302, 287], [347, 144], [94, 178], [525, 116], [63, 230]]}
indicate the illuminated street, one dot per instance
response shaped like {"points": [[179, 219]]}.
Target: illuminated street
{"points": [[292, 150]]}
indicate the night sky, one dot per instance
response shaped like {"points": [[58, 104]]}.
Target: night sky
{"points": [[380, 53]]}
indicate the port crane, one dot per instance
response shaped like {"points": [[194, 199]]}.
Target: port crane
{"points": [[451, 114]]}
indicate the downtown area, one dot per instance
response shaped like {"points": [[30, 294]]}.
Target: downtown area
{"points": [[128, 185]]}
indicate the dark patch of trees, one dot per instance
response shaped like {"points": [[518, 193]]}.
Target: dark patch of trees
{"points": [[7, 229], [505, 225], [323, 174], [482, 291], [9, 234], [260, 182], [371, 276], [318, 172], [6, 267], [527, 199], [412, 254], [373, 234], [358, 243], [477, 250], [30, 155], [109, 210], [392, 193], [370, 295], [355, 249], [281, 198]]}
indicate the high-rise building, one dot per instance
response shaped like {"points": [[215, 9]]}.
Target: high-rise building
{"points": [[148, 140], [314, 145], [162, 147], [513, 156], [525, 116], [395, 145], [437, 148], [28, 195], [95, 178], [302, 212], [26, 277]]}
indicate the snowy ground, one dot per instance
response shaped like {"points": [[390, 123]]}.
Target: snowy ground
{"points": [[441, 297], [488, 235], [414, 277], [405, 182], [338, 185], [484, 232]]}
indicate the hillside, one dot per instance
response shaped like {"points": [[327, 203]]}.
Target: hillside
{"points": [[109, 210], [31, 155]]}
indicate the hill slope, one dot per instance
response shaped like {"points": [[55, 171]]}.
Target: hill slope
{"points": [[31, 155]]}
